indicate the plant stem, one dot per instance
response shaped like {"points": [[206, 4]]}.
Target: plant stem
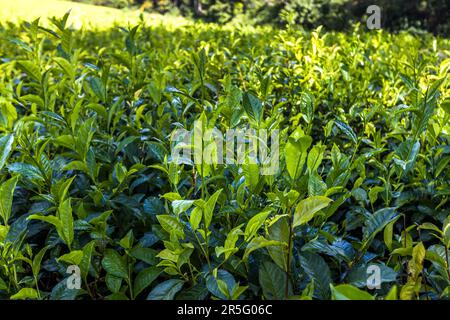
{"points": [[288, 266], [129, 280], [446, 262]]}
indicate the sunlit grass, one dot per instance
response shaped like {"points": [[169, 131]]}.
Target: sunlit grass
{"points": [[81, 14]]}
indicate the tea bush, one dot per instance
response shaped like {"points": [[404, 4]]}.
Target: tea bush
{"points": [[93, 207]]}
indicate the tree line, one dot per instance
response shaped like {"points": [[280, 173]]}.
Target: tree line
{"points": [[431, 15]]}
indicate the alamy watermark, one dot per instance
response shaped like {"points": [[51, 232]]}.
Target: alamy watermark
{"points": [[374, 18], [373, 277], [74, 280]]}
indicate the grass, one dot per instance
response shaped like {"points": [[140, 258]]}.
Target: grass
{"points": [[88, 16]]}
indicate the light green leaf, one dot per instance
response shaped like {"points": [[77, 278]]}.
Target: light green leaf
{"points": [[258, 243], [65, 216], [349, 292], [209, 208], [307, 208], [180, 206], [378, 221], [195, 218], [73, 257], [3, 285], [392, 295], [315, 157], [26, 170], [6, 198], [25, 293], [255, 223], [31, 69], [166, 290], [296, 152], [127, 241], [252, 106]]}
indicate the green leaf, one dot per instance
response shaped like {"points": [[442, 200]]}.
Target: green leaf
{"points": [[36, 265], [315, 157], [296, 151], [127, 241], [347, 130], [64, 189], [115, 264], [113, 283], [180, 206], [6, 198], [279, 231], [441, 166], [377, 221], [73, 257], [166, 290], [49, 219], [117, 296], [254, 224], [230, 243], [445, 105], [85, 262], [388, 235], [307, 107], [31, 69], [25, 293], [26, 170], [251, 173], [62, 292], [252, 106], [220, 284], [6, 143], [147, 255], [3, 285], [307, 208], [65, 216], [410, 290], [349, 292], [98, 88], [373, 193], [358, 275], [272, 280], [3, 232], [209, 207], [195, 218], [392, 295], [430, 226], [415, 265], [317, 269], [446, 234], [170, 223], [258, 243], [145, 278], [65, 66]]}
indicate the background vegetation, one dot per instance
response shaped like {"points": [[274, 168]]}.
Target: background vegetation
{"points": [[432, 15]]}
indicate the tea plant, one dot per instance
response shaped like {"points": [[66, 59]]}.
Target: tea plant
{"points": [[93, 206]]}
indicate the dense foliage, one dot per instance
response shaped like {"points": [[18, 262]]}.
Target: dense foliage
{"points": [[433, 15], [87, 179]]}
